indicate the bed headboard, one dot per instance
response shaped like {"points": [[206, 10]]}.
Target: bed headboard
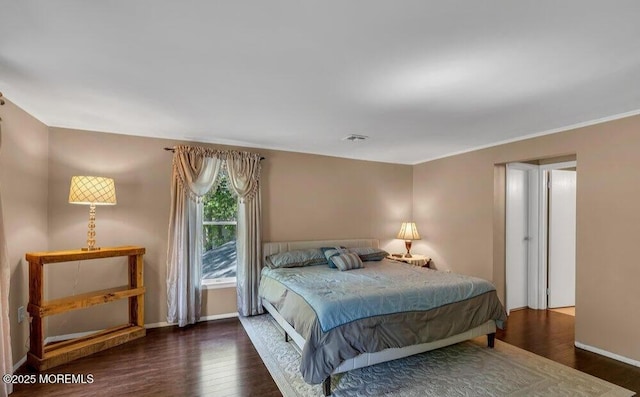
{"points": [[270, 248]]}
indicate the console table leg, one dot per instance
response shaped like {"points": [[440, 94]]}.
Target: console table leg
{"points": [[136, 279]]}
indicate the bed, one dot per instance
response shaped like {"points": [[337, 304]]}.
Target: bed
{"points": [[344, 320]]}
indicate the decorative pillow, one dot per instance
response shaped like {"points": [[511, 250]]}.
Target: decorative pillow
{"points": [[369, 253], [347, 261], [296, 258], [325, 249], [330, 252]]}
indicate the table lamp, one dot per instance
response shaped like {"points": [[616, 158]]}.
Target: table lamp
{"points": [[92, 191], [408, 233]]}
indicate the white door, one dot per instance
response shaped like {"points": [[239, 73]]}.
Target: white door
{"points": [[517, 208], [562, 239]]}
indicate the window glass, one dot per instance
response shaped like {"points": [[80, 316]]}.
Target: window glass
{"points": [[219, 234]]}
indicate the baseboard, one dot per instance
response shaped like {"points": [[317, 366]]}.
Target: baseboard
{"points": [[59, 338], [204, 318], [158, 325], [605, 353], [19, 363], [219, 316]]}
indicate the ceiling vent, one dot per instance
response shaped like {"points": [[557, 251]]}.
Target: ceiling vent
{"points": [[355, 138]]}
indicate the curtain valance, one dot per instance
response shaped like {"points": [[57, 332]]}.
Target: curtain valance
{"points": [[243, 169]]}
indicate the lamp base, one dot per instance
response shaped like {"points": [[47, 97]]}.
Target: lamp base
{"points": [[91, 233], [407, 243]]}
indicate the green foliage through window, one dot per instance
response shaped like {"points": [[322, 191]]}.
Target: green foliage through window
{"points": [[220, 216], [221, 205]]}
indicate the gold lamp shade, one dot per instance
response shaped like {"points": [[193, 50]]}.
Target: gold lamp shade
{"points": [[92, 191], [408, 232]]}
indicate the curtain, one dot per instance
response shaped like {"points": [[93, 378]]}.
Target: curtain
{"points": [[243, 169], [6, 366], [195, 171]]}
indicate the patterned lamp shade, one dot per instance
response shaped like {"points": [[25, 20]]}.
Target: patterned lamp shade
{"points": [[408, 231], [94, 190]]}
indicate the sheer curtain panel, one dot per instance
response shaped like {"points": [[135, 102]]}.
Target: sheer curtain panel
{"points": [[195, 172], [6, 365], [243, 169]]}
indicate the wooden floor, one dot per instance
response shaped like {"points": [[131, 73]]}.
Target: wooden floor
{"points": [[570, 310], [214, 358], [551, 334], [217, 359]]}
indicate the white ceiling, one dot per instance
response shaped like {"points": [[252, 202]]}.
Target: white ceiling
{"points": [[424, 79]]}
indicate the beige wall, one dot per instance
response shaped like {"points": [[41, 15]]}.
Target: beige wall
{"points": [[23, 186], [304, 197], [454, 204]]}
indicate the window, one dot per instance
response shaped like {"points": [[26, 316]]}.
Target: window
{"points": [[219, 233]]}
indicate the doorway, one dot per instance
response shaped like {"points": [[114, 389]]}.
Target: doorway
{"points": [[540, 235]]}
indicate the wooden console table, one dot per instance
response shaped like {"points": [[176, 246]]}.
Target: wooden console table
{"points": [[42, 356]]}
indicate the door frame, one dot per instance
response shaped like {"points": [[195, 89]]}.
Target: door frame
{"points": [[538, 230]]}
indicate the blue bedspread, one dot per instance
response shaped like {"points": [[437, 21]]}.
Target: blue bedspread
{"points": [[380, 288]]}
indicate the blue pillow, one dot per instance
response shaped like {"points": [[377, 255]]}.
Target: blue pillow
{"points": [[369, 253], [347, 261], [330, 252], [297, 258]]}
